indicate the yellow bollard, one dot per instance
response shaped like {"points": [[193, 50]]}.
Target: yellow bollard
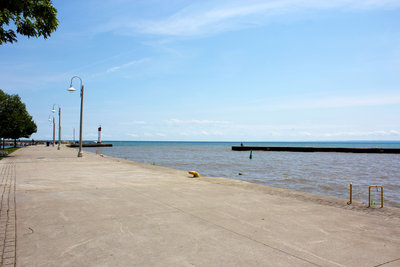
{"points": [[194, 173]]}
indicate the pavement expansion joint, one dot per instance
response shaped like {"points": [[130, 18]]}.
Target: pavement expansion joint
{"points": [[383, 264]]}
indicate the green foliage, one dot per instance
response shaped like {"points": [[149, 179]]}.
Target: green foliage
{"points": [[32, 18], [15, 121]]}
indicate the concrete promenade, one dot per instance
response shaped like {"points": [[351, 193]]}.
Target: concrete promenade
{"points": [[60, 210]]}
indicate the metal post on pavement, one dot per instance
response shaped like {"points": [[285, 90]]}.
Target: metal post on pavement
{"points": [[59, 124], [72, 89], [54, 131]]}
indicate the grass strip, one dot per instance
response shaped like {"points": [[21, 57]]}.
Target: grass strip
{"points": [[9, 150]]}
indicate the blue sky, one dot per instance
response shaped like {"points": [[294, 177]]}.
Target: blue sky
{"points": [[288, 70]]}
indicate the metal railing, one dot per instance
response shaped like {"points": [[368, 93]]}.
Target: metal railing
{"points": [[370, 199]]}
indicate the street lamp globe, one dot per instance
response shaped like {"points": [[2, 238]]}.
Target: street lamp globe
{"points": [[71, 89]]}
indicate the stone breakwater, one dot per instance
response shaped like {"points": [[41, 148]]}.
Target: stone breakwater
{"points": [[318, 149]]}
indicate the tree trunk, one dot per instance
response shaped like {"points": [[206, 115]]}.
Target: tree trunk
{"points": [[15, 142]]}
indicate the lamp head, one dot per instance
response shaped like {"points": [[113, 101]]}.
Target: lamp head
{"points": [[53, 110], [71, 88]]}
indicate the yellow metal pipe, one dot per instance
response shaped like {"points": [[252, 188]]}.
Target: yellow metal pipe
{"points": [[369, 196], [351, 193]]}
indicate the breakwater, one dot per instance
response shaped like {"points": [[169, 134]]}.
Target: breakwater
{"points": [[91, 145], [317, 149]]}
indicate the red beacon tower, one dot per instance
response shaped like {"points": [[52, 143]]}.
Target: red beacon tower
{"points": [[99, 139]]}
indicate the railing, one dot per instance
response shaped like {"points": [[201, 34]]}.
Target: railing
{"points": [[369, 195], [370, 200]]}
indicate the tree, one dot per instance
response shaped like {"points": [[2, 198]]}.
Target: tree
{"points": [[3, 99], [15, 121], [32, 18]]}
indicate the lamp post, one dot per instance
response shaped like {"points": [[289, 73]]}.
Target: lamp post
{"points": [[72, 89], [59, 124], [54, 129]]}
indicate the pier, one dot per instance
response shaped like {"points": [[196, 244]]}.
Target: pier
{"points": [[317, 149], [90, 145]]}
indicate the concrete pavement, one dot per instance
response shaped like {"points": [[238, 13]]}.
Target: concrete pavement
{"points": [[96, 211]]}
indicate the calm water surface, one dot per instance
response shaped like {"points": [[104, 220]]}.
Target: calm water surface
{"points": [[319, 172]]}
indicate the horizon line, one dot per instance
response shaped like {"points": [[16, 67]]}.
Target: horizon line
{"points": [[227, 141]]}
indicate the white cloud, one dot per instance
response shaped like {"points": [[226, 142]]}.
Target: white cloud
{"points": [[362, 134], [133, 62], [177, 121], [218, 133], [306, 133], [132, 134], [134, 123], [208, 122], [173, 121], [139, 122], [161, 134], [376, 100], [209, 17], [337, 102], [91, 135]]}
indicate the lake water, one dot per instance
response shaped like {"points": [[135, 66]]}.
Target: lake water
{"points": [[318, 172]]}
